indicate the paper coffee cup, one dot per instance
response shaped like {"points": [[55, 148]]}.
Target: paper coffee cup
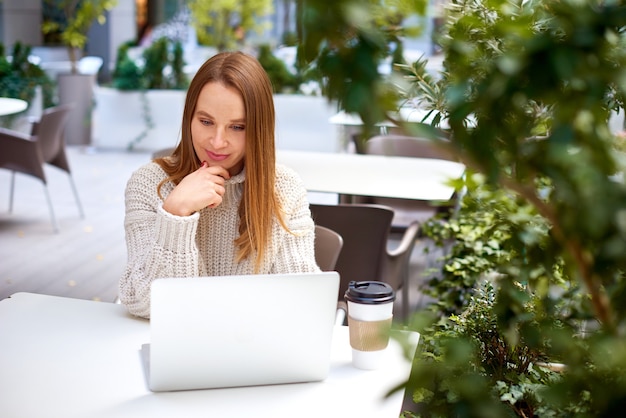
{"points": [[370, 312]]}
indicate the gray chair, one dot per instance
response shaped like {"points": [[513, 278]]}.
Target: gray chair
{"points": [[407, 211], [27, 154], [365, 255], [328, 244]]}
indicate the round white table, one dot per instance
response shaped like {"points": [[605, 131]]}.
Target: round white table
{"points": [[9, 106]]}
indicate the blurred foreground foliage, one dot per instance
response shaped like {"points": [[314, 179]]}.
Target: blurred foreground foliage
{"points": [[534, 273]]}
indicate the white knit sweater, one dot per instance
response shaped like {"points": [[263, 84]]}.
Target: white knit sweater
{"points": [[164, 245]]}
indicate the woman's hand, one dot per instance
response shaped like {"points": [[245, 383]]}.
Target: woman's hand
{"points": [[200, 189]]}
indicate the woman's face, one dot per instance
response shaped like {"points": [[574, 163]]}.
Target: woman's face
{"points": [[218, 130]]}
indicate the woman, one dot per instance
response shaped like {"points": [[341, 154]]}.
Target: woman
{"points": [[219, 205]]}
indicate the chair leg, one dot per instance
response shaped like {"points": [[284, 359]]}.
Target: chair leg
{"points": [[11, 191], [55, 225], [405, 299], [80, 206]]}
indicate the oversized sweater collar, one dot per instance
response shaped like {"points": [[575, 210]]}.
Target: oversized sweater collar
{"points": [[234, 189], [237, 178]]}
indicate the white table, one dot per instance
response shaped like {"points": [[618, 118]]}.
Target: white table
{"points": [[9, 106], [374, 175], [67, 358]]}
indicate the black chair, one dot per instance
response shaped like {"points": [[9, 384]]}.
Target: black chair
{"points": [[364, 256]]}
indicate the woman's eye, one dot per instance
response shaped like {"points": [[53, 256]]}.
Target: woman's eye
{"points": [[206, 122], [239, 127]]}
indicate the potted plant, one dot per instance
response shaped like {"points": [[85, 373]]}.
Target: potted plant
{"points": [[143, 106], [71, 27], [540, 79], [22, 79], [78, 17]]}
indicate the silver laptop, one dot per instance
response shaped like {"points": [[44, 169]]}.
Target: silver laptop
{"points": [[216, 332]]}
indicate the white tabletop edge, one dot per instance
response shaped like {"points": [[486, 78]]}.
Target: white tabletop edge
{"points": [[81, 358]]}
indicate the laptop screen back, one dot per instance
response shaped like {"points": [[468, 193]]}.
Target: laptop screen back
{"points": [[214, 332]]}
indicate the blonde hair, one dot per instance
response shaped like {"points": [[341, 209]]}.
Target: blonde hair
{"points": [[259, 204]]}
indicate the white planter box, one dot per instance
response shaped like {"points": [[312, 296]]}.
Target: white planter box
{"points": [[302, 122], [119, 118]]}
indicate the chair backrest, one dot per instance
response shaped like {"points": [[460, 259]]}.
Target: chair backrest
{"points": [[365, 231], [50, 131], [328, 244], [406, 146]]}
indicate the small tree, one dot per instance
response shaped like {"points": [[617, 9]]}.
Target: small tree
{"points": [[77, 18], [224, 23]]}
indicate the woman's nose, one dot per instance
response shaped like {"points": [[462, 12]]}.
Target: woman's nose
{"points": [[219, 140]]}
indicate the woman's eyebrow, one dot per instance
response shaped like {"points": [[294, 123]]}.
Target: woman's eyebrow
{"points": [[203, 113], [208, 115]]}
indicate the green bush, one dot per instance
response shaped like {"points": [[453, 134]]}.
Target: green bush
{"points": [[19, 77], [494, 233], [489, 242], [282, 80], [553, 242], [162, 69], [127, 74]]}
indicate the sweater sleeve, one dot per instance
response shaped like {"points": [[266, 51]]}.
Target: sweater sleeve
{"points": [[159, 244], [296, 250]]}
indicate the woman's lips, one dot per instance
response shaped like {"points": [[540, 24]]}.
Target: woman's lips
{"points": [[216, 157]]}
